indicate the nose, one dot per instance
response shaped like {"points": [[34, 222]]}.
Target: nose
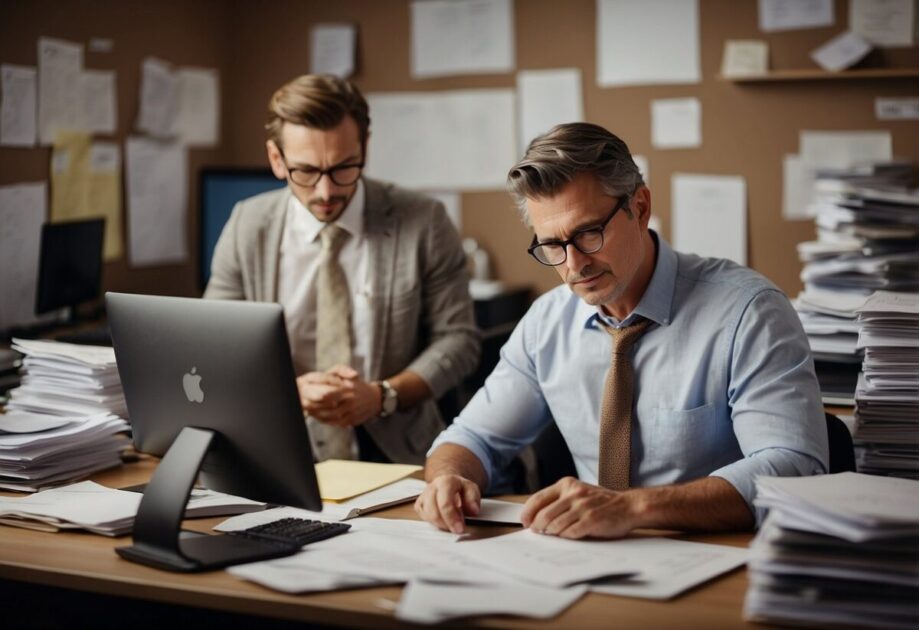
{"points": [[576, 261], [325, 186]]}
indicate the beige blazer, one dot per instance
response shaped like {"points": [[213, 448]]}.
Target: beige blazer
{"points": [[423, 320]]}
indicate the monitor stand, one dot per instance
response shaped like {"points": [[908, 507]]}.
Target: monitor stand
{"points": [[158, 538]]}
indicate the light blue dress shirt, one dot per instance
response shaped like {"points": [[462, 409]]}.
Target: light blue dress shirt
{"points": [[724, 381]]}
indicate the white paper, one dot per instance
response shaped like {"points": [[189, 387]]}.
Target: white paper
{"points": [[458, 140], [453, 204], [197, 119], [744, 58], [17, 112], [290, 578], [549, 560], [895, 108], [453, 37], [332, 49], [845, 149], [97, 100], [676, 123], [797, 189], [495, 511], [104, 157], [785, 15], [670, 567], [26, 422], [159, 92], [424, 602], [887, 23], [157, 190], [60, 67], [547, 98], [623, 27], [643, 167], [23, 208], [842, 51], [709, 215]]}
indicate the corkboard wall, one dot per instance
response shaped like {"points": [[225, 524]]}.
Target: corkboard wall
{"points": [[258, 45]]}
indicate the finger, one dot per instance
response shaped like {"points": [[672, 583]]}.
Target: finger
{"points": [[544, 517], [537, 502], [471, 499], [427, 505], [449, 505], [343, 371], [558, 520]]}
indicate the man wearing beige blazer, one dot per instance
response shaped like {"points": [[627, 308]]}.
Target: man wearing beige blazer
{"points": [[371, 277]]}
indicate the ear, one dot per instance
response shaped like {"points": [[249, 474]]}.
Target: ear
{"points": [[275, 160], [642, 205]]}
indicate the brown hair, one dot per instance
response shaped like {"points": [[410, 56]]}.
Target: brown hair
{"points": [[317, 101], [553, 159]]}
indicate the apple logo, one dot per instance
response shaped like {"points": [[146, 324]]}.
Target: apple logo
{"points": [[191, 383]]}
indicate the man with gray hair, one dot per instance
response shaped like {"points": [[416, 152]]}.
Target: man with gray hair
{"points": [[675, 380]]}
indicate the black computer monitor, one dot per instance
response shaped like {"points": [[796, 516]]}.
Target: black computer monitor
{"points": [[221, 189], [69, 265], [210, 385]]}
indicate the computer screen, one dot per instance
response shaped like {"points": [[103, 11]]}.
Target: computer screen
{"points": [[221, 189], [220, 372], [70, 264]]}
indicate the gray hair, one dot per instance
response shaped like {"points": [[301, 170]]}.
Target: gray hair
{"points": [[553, 159]]}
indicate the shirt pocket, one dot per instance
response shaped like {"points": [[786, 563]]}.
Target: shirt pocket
{"points": [[681, 443]]}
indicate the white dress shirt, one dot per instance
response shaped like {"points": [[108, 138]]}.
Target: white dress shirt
{"points": [[301, 251]]}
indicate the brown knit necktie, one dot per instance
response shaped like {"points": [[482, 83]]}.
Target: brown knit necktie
{"points": [[616, 409], [333, 337]]}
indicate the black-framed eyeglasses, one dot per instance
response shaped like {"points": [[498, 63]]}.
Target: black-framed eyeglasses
{"points": [[341, 174], [587, 240]]}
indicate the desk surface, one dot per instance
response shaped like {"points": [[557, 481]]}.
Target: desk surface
{"points": [[87, 562]]}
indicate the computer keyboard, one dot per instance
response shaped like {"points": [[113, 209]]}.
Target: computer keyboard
{"points": [[298, 530]]}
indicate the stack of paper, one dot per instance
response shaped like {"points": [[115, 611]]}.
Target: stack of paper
{"points": [[66, 379], [887, 411], [40, 450], [101, 510], [836, 549]]}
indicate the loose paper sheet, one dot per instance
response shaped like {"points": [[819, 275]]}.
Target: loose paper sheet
{"points": [[60, 68], [887, 23], [332, 49], [458, 140], [623, 27], [547, 98], [158, 98], [709, 215], [22, 211], [676, 123], [897, 108], [17, 112], [786, 15], [453, 37], [197, 120], [97, 96], [841, 52], [86, 182], [745, 58], [797, 188], [845, 149], [157, 189]]}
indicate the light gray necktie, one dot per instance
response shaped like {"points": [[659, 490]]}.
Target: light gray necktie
{"points": [[616, 410], [333, 337]]}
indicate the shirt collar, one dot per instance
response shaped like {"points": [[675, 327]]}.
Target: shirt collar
{"points": [[302, 220], [656, 303]]}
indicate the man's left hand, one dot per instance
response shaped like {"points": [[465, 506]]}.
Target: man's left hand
{"points": [[571, 508], [363, 403]]}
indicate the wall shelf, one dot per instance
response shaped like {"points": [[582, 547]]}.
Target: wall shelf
{"points": [[825, 75]]}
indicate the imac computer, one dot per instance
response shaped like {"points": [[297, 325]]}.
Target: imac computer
{"points": [[69, 265], [209, 386]]}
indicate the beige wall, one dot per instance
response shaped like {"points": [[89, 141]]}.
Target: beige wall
{"points": [[257, 45]]}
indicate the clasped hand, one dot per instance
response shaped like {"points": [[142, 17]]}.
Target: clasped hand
{"points": [[569, 508], [339, 396]]}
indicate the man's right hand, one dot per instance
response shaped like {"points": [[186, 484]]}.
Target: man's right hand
{"points": [[445, 501]]}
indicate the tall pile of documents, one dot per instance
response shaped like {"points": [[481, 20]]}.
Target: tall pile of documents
{"points": [[836, 549], [64, 379], [887, 400], [65, 421], [867, 240]]}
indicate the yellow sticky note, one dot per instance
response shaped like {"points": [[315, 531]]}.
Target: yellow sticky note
{"points": [[340, 480]]}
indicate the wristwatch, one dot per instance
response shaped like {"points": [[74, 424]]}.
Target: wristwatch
{"points": [[390, 399]]}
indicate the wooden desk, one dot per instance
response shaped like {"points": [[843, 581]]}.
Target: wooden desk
{"points": [[87, 563]]}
